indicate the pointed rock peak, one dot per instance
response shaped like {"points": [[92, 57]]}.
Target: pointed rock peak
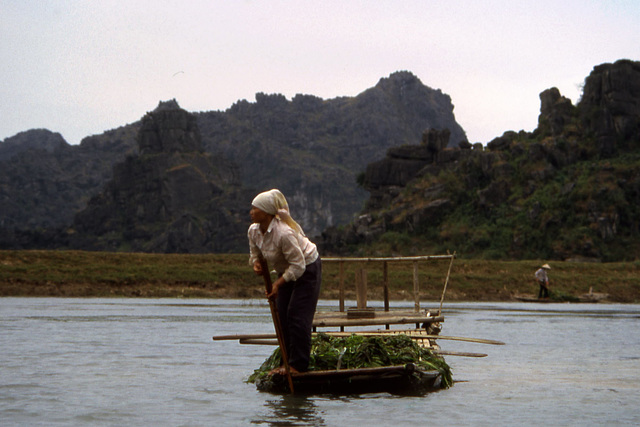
{"points": [[172, 104], [610, 106], [169, 129], [398, 79]]}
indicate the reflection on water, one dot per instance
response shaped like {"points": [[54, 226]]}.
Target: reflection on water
{"points": [[288, 410]]}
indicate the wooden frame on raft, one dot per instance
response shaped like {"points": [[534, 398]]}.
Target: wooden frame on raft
{"points": [[425, 333], [361, 315], [385, 265]]}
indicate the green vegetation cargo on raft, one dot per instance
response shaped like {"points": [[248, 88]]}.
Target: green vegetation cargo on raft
{"points": [[356, 351]]}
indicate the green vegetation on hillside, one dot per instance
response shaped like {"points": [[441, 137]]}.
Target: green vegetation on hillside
{"points": [[569, 190], [528, 197], [568, 213]]}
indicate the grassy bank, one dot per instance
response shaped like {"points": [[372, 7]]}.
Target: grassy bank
{"points": [[99, 274]]}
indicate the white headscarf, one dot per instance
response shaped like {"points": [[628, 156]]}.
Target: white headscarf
{"points": [[274, 203]]}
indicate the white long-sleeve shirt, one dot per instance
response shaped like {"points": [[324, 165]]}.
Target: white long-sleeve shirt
{"points": [[286, 251], [541, 275]]}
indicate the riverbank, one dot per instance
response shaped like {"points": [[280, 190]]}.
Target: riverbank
{"points": [[101, 274]]}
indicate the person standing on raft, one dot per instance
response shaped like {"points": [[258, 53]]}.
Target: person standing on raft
{"points": [[543, 281], [274, 235]]}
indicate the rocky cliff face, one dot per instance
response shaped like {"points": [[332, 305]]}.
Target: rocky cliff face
{"points": [[32, 140], [310, 148], [610, 105], [44, 180], [569, 189], [172, 197], [313, 149]]}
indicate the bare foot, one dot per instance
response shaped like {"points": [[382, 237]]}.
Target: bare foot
{"points": [[273, 372], [277, 371], [281, 370]]}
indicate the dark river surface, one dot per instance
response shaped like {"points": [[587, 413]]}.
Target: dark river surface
{"points": [[120, 362]]}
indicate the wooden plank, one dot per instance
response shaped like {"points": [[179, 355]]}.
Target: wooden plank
{"points": [[242, 336], [458, 353], [377, 321], [408, 368], [361, 288], [258, 341], [379, 313]]}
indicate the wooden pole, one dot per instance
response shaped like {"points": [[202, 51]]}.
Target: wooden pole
{"points": [[379, 259], [476, 340], [258, 341], [276, 321], [416, 287], [243, 336], [458, 353], [437, 352], [385, 281], [361, 288], [342, 290], [362, 333], [446, 282]]}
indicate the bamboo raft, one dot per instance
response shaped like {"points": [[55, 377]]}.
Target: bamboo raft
{"points": [[403, 379]]}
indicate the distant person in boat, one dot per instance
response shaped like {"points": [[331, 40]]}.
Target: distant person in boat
{"points": [[276, 236], [543, 281]]}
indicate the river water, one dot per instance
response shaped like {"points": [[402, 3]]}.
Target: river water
{"points": [[117, 362]]}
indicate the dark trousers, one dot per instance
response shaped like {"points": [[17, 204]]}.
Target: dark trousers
{"points": [[297, 303], [544, 292]]}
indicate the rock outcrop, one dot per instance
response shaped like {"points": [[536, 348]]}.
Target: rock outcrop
{"points": [[39, 140], [385, 178], [172, 197], [44, 181], [610, 105], [169, 129], [570, 188], [556, 111]]}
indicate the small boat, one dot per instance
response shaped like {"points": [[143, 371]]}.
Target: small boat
{"points": [[533, 299], [591, 297]]}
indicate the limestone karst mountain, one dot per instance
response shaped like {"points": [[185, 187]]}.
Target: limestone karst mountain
{"points": [[568, 190], [313, 149]]}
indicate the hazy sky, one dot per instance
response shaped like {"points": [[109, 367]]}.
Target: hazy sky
{"points": [[83, 67]]}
